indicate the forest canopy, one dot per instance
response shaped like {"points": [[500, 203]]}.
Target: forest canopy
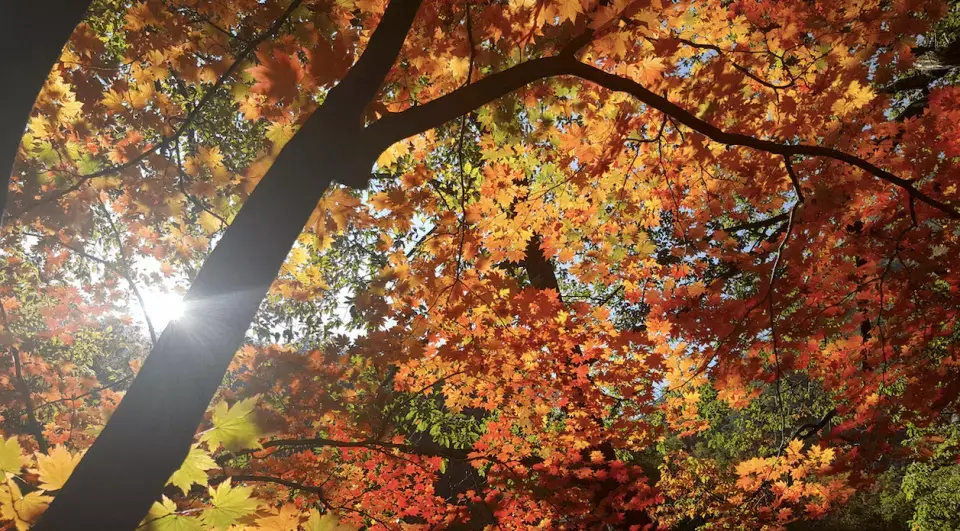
{"points": [[494, 264]]}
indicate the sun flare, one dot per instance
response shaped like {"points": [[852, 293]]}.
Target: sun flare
{"points": [[163, 307]]}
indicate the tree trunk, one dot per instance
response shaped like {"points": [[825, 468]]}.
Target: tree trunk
{"points": [[32, 33], [150, 433]]}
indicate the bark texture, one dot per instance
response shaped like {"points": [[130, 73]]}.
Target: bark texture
{"points": [[150, 433]]}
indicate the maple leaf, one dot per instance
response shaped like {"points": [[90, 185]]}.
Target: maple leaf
{"points": [[459, 66], [649, 70], [646, 247], [569, 9], [854, 98], [329, 62], [193, 470], [325, 522], [658, 327], [11, 458], [279, 133], [233, 427], [163, 517], [210, 157], [277, 76], [284, 519], [230, 504], [55, 467], [21, 510], [370, 6], [209, 223]]}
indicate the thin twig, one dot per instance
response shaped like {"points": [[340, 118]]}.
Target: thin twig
{"points": [[127, 272]]}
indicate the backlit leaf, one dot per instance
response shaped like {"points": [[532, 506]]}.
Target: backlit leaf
{"points": [[193, 470], [234, 427]]}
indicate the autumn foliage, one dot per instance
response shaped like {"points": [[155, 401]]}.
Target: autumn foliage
{"points": [[618, 265]]}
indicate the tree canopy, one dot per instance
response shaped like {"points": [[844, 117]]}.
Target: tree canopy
{"points": [[553, 264]]}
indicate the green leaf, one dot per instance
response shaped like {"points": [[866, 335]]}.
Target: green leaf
{"points": [[234, 427], [193, 470], [163, 517], [229, 505]]}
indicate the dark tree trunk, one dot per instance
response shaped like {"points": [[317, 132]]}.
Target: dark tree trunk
{"points": [[32, 33], [149, 435]]}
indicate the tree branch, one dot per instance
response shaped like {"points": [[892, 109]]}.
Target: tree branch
{"points": [[88, 393], [364, 80], [127, 272], [315, 489], [758, 224], [418, 119], [320, 442], [24, 389]]}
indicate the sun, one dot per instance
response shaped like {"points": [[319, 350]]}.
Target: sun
{"points": [[162, 307]]}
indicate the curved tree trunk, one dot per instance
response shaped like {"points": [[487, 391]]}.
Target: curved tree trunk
{"points": [[149, 434], [32, 33]]}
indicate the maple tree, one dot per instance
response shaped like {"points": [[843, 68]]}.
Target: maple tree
{"points": [[536, 263]]}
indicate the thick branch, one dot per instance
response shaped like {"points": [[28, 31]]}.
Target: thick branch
{"points": [[416, 120], [395, 127], [367, 75]]}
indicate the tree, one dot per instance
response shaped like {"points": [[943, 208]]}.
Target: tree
{"points": [[586, 217]]}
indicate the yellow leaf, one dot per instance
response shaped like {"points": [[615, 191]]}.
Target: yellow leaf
{"points": [[234, 427], [193, 470], [20, 509], [113, 101], [646, 247], [106, 183], [229, 505], [286, 518], [392, 154], [459, 66], [69, 110], [163, 517], [211, 157], [854, 98], [569, 9], [11, 457], [55, 467], [279, 133], [209, 223], [39, 126], [325, 522]]}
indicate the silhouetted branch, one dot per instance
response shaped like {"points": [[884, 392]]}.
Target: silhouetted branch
{"points": [[415, 120]]}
